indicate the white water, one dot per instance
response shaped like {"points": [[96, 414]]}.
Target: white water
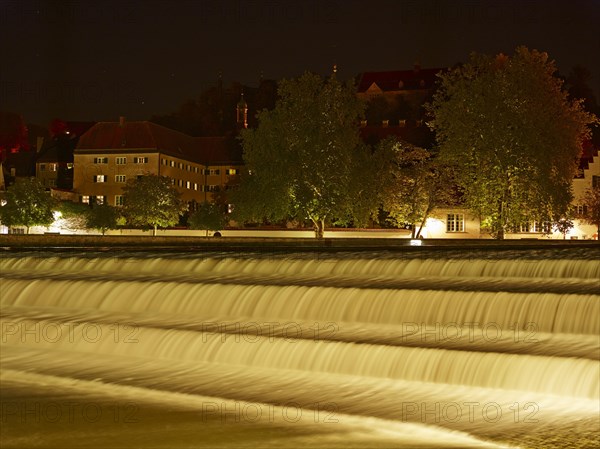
{"points": [[341, 330]]}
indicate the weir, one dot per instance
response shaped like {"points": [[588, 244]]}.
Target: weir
{"points": [[301, 318]]}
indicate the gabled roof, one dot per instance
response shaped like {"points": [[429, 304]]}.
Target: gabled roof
{"points": [[150, 136], [416, 79]]}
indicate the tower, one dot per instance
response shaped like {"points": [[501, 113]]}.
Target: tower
{"points": [[242, 113]]}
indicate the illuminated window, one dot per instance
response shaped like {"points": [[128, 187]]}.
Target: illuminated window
{"points": [[180, 166], [140, 160], [100, 160], [455, 223], [172, 163], [119, 200], [100, 199], [233, 171], [52, 167], [85, 199], [195, 186], [188, 185], [120, 178], [121, 160], [70, 166], [99, 178], [195, 169]]}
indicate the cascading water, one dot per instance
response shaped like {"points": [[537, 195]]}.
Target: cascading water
{"points": [[486, 349]]}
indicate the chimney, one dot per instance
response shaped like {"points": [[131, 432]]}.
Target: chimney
{"points": [[121, 121]]}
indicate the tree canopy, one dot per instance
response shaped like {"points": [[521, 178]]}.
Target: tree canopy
{"points": [[300, 158], [153, 201], [102, 217], [208, 216], [27, 204], [512, 135]]}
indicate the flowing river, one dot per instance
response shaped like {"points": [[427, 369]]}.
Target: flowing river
{"points": [[415, 349]]}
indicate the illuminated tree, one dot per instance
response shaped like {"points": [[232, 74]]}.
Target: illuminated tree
{"points": [[592, 202], [512, 136], [208, 216], [102, 217], [27, 204], [300, 158], [151, 200], [412, 184]]}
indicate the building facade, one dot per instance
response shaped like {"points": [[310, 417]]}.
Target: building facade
{"points": [[110, 154]]}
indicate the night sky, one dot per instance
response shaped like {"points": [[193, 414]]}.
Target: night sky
{"points": [[85, 60]]}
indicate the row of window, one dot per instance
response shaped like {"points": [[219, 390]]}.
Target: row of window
{"points": [[53, 166], [195, 169], [121, 160], [100, 199]]}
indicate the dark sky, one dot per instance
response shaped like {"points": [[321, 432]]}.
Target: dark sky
{"points": [[97, 60]]}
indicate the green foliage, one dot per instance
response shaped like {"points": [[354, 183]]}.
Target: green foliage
{"points": [[208, 216], [592, 202], [102, 217], [412, 183], [151, 201], [73, 215], [27, 204], [512, 136], [300, 158]]}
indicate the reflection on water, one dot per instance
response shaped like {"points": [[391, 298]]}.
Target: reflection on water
{"points": [[454, 349]]}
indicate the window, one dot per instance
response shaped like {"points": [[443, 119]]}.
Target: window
{"points": [[524, 227], [118, 200], [188, 167], [212, 188], [455, 223], [51, 182], [212, 171], [180, 166], [195, 186], [70, 166], [195, 169], [99, 178], [42, 167], [120, 178], [100, 160], [163, 161], [52, 167], [595, 181], [172, 163], [121, 160], [232, 171], [85, 199], [100, 199], [188, 184], [140, 160], [180, 183]]}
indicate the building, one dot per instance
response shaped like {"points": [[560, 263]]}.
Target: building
{"points": [[55, 161], [111, 153]]}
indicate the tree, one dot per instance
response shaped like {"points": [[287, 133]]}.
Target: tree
{"points": [[592, 202], [300, 157], [512, 136], [73, 216], [412, 184], [151, 200], [102, 217], [27, 204], [208, 216]]}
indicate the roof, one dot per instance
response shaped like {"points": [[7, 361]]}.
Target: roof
{"points": [[149, 136], [416, 79]]}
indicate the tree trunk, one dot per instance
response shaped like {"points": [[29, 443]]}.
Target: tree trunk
{"points": [[27, 230], [500, 234], [319, 228], [207, 233], [154, 232]]}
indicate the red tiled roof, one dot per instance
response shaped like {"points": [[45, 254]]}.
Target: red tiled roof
{"points": [[390, 81], [150, 136]]}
